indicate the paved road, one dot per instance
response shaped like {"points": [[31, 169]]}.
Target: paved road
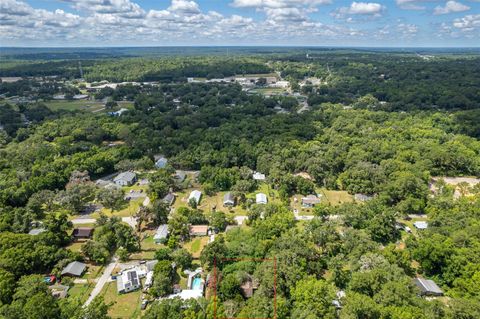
{"points": [[107, 273]]}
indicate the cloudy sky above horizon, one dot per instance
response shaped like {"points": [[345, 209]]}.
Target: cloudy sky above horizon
{"points": [[239, 22]]}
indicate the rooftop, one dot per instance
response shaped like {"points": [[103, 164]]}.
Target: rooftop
{"points": [[126, 176], [74, 268]]}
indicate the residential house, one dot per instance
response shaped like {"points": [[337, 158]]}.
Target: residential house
{"points": [[74, 269], [125, 179], [362, 197], [428, 287], [118, 113], [249, 286], [161, 234], [198, 230], [261, 198], [228, 200], [310, 201], [420, 225], [169, 199], [36, 231], [258, 176], [161, 162], [128, 281], [150, 265], [59, 291], [179, 176], [82, 232], [195, 195]]}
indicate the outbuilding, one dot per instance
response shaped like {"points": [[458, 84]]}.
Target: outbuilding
{"points": [[428, 287], [196, 195], [228, 200], [261, 198]]}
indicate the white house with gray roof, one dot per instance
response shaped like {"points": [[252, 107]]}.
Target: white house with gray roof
{"points": [[125, 179]]}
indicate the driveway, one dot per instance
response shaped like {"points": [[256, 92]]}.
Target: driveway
{"points": [[107, 273]]}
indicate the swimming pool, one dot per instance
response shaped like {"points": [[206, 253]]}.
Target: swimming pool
{"points": [[197, 283]]}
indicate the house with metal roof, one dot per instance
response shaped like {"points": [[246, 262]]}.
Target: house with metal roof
{"points": [[258, 176], [161, 234], [169, 199], [128, 281], [420, 225], [179, 176], [125, 179], [36, 231], [310, 201], [161, 162], [261, 198], [228, 200], [82, 232], [198, 230], [428, 287], [74, 269], [195, 195], [362, 197]]}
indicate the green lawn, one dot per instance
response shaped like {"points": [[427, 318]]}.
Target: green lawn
{"points": [[195, 246], [82, 291], [148, 247], [125, 305], [335, 197], [81, 105]]}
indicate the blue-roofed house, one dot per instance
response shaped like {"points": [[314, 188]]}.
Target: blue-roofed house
{"points": [[161, 162]]}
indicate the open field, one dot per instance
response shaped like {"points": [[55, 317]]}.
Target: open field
{"points": [[125, 305], [82, 105], [196, 245], [335, 197], [268, 91]]}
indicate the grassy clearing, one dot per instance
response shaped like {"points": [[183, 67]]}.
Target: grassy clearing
{"points": [[75, 246], [269, 91], [81, 291], [81, 105], [195, 246], [335, 197], [84, 105], [147, 246], [125, 305]]}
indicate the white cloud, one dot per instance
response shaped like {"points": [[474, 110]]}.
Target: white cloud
{"points": [[407, 30], [125, 8], [450, 7], [468, 23], [184, 6], [370, 9], [278, 3], [412, 4]]}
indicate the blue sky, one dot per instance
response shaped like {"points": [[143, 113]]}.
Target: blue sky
{"points": [[437, 23]]}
